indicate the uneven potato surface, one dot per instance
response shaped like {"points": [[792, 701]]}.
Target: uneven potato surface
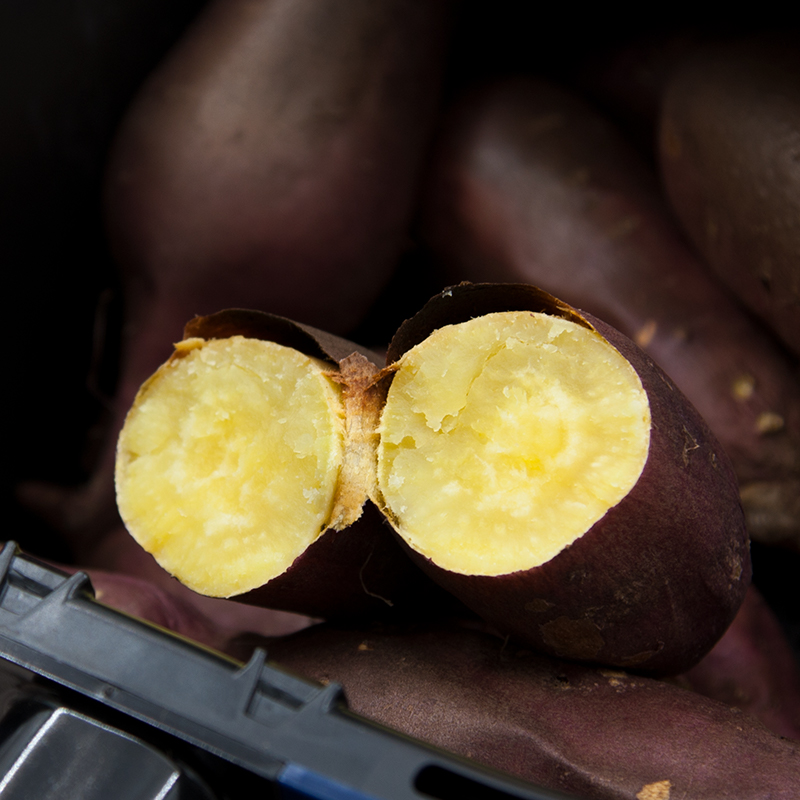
{"points": [[229, 460], [507, 437]]}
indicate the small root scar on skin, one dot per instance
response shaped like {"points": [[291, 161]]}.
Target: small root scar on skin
{"points": [[364, 585], [689, 444]]}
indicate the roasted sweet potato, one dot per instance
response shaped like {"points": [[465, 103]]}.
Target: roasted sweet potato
{"points": [[601, 734], [545, 471], [532, 460], [728, 146], [272, 159], [531, 184]]}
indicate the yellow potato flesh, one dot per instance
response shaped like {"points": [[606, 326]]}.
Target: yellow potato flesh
{"points": [[507, 437], [229, 460]]}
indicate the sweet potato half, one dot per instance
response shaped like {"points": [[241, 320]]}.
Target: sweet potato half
{"points": [[531, 460], [247, 445]]}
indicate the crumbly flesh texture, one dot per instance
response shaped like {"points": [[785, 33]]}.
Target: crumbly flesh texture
{"points": [[228, 462], [505, 438]]}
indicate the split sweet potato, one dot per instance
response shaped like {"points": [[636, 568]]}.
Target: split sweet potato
{"points": [[532, 460], [531, 184], [545, 471]]}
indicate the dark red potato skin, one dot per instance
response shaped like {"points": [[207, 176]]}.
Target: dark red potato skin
{"points": [[131, 581], [729, 158], [531, 184], [600, 734], [653, 584], [360, 573], [274, 155], [753, 668]]}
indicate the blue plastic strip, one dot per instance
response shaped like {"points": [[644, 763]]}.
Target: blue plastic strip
{"points": [[298, 782]]}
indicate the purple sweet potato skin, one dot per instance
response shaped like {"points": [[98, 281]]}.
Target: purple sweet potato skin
{"points": [[531, 184], [753, 667], [360, 572], [222, 179], [653, 584], [601, 734], [728, 154]]}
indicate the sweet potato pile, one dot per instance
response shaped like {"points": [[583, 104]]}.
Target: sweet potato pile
{"points": [[574, 401]]}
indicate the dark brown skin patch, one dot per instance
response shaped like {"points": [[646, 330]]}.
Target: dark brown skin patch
{"points": [[575, 638]]}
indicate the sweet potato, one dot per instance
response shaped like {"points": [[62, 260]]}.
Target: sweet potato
{"points": [[201, 619], [532, 460], [753, 668], [270, 161], [728, 147], [546, 472], [530, 184], [601, 734]]}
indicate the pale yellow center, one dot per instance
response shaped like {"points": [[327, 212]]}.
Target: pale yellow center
{"points": [[229, 460], [507, 437]]}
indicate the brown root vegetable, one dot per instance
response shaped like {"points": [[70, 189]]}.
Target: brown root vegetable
{"points": [[245, 462], [127, 577], [753, 668], [272, 159], [532, 460], [546, 472], [601, 734], [729, 159], [531, 184]]}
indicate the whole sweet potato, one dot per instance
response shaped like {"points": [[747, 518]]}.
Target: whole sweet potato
{"points": [[272, 159], [601, 734], [728, 154], [531, 184]]}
